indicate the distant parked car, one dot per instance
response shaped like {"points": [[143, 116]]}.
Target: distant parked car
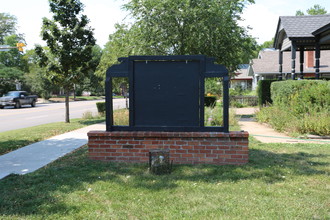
{"points": [[17, 99]]}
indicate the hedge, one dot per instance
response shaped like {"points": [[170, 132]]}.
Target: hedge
{"points": [[100, 107], [263, 90], [302, 96]]}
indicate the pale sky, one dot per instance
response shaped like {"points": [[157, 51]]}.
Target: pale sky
{"points": [[262, 16]]}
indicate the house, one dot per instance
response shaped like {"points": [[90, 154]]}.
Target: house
{"points": [[301, 49], [266, 66], [241, 78]]}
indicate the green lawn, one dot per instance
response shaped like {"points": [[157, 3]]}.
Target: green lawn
{"points": [[12, 140], [281, 181]]}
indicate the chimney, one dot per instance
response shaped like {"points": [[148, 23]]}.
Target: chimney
{"points": [[310, 59]]}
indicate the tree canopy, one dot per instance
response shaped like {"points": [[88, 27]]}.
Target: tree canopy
{"points": [[12, 64], [182, 27], [314, 10], [7, 26], [187, 27], [70, 44]]}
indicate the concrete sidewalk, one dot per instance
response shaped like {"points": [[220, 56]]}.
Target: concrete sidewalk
{"points": [[32, 157], [266, 134]]}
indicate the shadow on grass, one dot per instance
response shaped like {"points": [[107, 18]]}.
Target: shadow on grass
{"points": [[38, 193]]}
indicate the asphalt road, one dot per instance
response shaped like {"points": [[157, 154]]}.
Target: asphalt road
{"points": [[11, 118]]}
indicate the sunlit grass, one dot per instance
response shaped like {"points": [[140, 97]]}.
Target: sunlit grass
{"points": [[281, 181]]}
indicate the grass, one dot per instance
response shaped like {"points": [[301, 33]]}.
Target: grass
{"points": [[283, 120], [12, 140], [281, 181], [78, 98]]}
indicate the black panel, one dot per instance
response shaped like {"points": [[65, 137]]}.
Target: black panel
{"points": [[166, 93]]}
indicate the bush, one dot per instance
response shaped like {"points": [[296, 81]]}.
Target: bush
{"points": [[263, 90], [214, 117], [210, 101], [299, 107], [302, 96], [100, 107]]}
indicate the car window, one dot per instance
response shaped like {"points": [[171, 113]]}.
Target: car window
{"points": [[12, 93]]}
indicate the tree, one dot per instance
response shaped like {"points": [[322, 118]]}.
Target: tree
{"points": [[187, 27], [36, 79], [267, 44], [92, 82], [7, 26], [315, 10], [70, 42], [9, 76]]}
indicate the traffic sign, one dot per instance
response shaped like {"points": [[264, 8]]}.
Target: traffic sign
{"points": [[4, 49]]}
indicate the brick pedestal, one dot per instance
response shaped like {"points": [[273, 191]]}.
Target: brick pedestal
{"points": [[185, 147]]}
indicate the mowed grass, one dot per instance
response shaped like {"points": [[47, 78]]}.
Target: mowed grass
{"points": [[12, 140], [281, 181]]}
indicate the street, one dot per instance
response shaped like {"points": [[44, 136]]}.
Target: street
{"points": [[11, 118]]}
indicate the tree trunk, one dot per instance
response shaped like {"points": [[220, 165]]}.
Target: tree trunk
{"points": [[74, 92], [67, 115]]}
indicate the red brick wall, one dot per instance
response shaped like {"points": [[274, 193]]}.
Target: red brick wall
{"points": [[185, 147]]}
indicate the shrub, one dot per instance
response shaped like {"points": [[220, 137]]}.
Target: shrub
{"points": [[100, 107], [214, 117], [210, 101], [301, 107], [263, 90], [302, 96]]}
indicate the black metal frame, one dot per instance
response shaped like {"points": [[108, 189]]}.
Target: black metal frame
{"points": [[207, 70]]}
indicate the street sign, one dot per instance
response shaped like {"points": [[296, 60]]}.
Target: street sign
{"points": [[4, 49]]}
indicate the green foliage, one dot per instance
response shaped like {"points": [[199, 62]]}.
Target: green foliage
{"points": [[286, 181], [264, 94], [7, 26], [100, 107], [315, 10], [8, 78], [301, 96], [210, 101], [213, 86], [70, 41], [36, 79], [267, 44], [299, 107], [282, 119], [124, 42], [12, 140], [176, 27]]}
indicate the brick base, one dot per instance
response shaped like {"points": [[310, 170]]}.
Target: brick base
{"points": [[185, 147]]}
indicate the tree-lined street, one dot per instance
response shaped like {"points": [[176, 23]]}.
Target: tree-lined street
{"points": [[26, 116]]}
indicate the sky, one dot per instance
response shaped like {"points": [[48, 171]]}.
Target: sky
{"points": [[262, 16]]}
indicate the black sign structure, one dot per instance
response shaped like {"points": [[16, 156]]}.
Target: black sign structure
{"points": [[166, 93]]}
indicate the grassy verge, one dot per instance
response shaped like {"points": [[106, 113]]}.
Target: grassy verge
{"points": [[283, 120], [12, 140], [78, 98], [281, 181]]}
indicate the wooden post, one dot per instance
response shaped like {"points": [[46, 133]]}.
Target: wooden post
{"points": [[301, 62], [293, 60], [317, 60], [280, 62]]}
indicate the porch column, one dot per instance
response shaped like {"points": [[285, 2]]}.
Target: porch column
{"points": [[317, 60], [293, 60], [280, 62], [301, 62]]}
